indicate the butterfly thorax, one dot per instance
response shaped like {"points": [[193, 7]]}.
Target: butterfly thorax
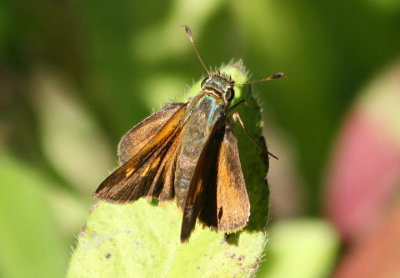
{"points": [[220, 85]]}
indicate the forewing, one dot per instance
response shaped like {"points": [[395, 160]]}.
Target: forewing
{"points": [[141, 175], [227, 205], [141, 134], [202, 186], [163, 182], [193, 202]]}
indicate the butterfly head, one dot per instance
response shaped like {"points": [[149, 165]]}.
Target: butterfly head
{"points": [[221, 85]]}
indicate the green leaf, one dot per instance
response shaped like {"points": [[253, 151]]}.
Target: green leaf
{"points": [[142, 240]]}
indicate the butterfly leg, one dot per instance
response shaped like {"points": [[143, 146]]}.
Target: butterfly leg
{"points": [[236, 117], [243, 101]]}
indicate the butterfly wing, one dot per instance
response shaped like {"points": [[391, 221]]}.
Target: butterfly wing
{"points": [[227, 205], [141, 134], [233, 206], [143, 174], [202, 186]]}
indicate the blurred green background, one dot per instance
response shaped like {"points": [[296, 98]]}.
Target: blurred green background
{"points": [[76, 75]]}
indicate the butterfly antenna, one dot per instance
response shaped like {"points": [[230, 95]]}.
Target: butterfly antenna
{"points": [[189, 33], [271, 77]]}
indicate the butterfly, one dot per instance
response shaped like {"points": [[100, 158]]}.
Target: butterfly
{"points": [[187, 151]]}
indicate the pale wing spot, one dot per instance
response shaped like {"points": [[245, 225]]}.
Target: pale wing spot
{"points": [[129, 172], [152, 165]]}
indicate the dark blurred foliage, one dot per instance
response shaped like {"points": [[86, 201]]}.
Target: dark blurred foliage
{"points": [[112, 62]]}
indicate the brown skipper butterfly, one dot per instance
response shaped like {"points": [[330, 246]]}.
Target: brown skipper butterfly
{"points": [[187, 151]]}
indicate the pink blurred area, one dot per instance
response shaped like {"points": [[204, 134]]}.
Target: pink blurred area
{"points": [[362, 197], [364, 177], [376, 256]]}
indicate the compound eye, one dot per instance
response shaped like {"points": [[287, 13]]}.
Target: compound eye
{"points": [[230, 94]]}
